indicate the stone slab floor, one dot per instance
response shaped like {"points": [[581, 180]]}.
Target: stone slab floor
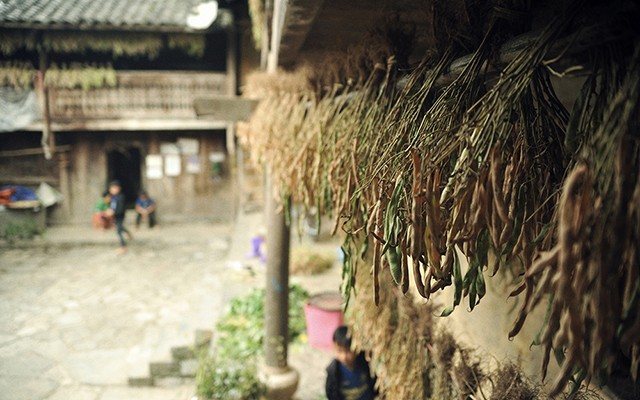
{"points": [[76, 318]]}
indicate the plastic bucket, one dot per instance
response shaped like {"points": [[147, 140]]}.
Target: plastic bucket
{"points": [[323, 314]]}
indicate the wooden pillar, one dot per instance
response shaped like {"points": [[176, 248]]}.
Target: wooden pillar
{"points": [[154, 186], [232, 83], [240, 181], [65, 188], [204, 177], [282, 381], [278, 235], [276, 304], [154, 143], [48, 139], [233, 163]]}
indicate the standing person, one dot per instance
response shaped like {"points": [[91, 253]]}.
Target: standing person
{"points": [[117, 209], [145, 207], [348, 375]]}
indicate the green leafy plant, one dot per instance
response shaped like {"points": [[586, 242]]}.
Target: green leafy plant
{"points": [[225, 379], [230, 373], [26, 229]]}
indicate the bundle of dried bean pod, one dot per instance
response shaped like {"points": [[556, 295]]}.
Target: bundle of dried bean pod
{"points": [[591, 275]]}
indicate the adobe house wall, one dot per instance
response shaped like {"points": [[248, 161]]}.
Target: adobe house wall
{"points": [[192, 191]]}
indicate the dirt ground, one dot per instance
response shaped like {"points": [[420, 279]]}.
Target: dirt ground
{"points": [[76, 317]]}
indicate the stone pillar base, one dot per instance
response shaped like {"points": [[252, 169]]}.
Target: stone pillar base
{"points": [[281, 382]]}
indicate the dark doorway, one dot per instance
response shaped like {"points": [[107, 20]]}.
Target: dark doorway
{"points": [[124, 165]]}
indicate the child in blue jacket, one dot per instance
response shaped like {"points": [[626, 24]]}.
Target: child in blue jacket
{"points": [[348, 375]]}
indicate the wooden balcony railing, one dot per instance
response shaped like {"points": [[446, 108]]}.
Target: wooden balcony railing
{"points": [[138, 95]]}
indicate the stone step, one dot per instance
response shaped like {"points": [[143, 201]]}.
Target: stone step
{"points": [[140, 381], [175, 369], [163, 373], [138, 367], [182, 353], [164, 369], [167, 362]]}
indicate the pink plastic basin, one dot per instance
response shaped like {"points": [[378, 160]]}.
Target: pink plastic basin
{"points": [[323, 314]]}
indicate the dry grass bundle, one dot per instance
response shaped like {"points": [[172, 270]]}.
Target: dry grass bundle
{"points": [[14, 40], [307, 261], [117, 43], [396, 336], [273, 132], [443, 351], [84, 76], [508, 383], [17, 74], [466, 375]]}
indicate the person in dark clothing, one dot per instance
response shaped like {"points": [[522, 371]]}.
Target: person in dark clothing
{"points": [[145, 207], [348, 375], [117, 209]]}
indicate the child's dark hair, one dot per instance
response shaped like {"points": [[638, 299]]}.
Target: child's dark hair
{"points": [[341, 337]]}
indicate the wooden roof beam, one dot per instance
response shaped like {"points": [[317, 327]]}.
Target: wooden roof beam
{"points": [[299, 17]]}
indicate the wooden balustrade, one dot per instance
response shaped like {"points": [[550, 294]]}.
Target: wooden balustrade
{"points": [[138, 95]]}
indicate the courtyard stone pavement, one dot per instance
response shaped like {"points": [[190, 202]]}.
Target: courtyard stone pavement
{"points": [[76, 318]]}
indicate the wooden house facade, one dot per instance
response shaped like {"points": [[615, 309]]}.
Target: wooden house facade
{"points": [[91, 93]]}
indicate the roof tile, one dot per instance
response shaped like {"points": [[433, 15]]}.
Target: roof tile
{"points": [[116, 13]]}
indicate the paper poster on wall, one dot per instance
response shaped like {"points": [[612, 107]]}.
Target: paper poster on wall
{"points": [[172, 165], [169, 148], [188, 146], [154, 166], [193, 164], [217, 157]]}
